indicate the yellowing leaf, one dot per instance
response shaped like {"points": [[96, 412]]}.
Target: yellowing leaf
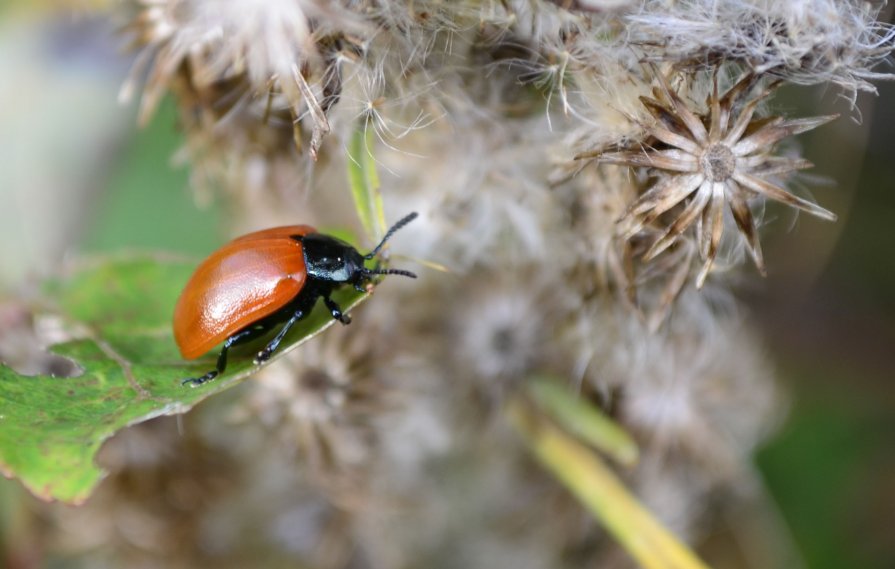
{"points": [[598, 489], [584, 420]]}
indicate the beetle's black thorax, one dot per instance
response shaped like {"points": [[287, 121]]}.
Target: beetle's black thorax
{"points": [[331, 260]]}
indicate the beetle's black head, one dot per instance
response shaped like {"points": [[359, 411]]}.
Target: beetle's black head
{"points": [[333, 260]]}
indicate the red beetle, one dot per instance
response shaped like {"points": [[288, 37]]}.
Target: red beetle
{"points": [[266, 279]]}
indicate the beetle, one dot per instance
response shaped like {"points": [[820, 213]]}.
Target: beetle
{"points": [[264, 280]]}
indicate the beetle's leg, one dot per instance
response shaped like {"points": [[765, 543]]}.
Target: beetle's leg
{"points": [[271, 346], [336, 310], [238, 338]]}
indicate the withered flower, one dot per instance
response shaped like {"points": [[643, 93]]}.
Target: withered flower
{"points": [[322, 407], [259, 58], [704, 161]]}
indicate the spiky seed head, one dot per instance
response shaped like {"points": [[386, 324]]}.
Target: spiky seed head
{"points": [[706, 161]]}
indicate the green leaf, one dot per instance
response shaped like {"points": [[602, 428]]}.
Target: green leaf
{"points": [[51, 428], [598, 489], [364, 182], [584, 420]]}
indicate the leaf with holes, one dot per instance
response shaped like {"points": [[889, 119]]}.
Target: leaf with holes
{"points": [[130, 371]]}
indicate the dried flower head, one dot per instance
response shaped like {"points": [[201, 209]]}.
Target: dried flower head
{"points": [[503, 334], [805, 42], [271, 58], [322, 406], [705, 161], [598, 197], [702, 392]]}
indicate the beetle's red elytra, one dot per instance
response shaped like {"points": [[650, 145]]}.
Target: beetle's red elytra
{"points": [[251, 277], [264, 280]]}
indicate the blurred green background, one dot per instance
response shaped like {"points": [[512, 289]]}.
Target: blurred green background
{"points": [[831, 332], [77, 177]]}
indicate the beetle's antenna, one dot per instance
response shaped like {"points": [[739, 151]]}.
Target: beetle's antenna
{"points": [[401, 272], [407, 219]]}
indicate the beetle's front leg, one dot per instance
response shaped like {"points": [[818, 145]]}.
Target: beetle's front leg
{"points": [[336, 310]]}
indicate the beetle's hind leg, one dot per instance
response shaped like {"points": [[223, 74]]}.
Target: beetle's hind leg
{"points": [[245, 335]]}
